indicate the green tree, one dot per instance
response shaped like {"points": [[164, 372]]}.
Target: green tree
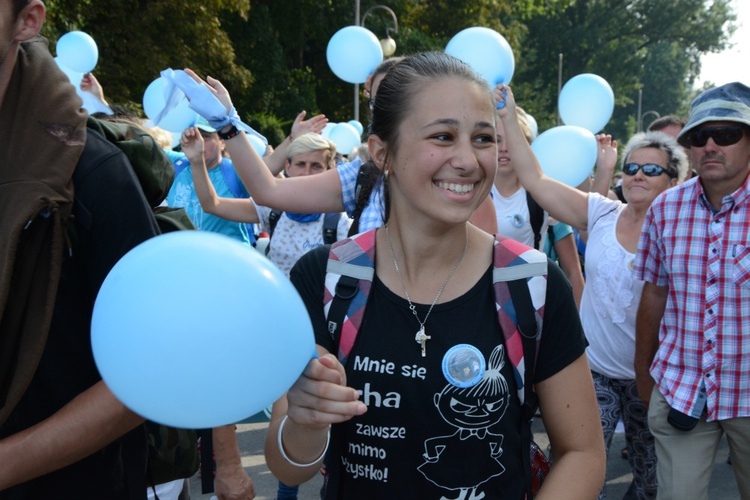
{"points": [[640, 44]]}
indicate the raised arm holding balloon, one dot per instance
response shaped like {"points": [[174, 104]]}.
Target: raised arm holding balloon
{"points": [[652, 163]]}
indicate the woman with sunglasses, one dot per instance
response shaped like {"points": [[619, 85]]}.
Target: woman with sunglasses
{"points": [[653, 162]]}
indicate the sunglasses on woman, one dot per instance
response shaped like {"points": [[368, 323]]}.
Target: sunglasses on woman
{"points": [[722, 136], [649, 169]]}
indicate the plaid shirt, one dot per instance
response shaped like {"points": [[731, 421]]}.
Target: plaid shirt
{"points": [[372, 215], [704, 258]]}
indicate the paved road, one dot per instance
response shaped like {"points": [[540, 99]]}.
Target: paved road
{"points": [[251, 436]]}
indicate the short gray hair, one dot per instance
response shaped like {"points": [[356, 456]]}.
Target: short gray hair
{"points": [[677, 161]]}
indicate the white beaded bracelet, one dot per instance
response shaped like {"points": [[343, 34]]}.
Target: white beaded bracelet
{"points": [[292, 462]]}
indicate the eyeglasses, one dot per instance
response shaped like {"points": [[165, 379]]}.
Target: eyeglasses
{"points": [[722, 136], [649, 169]]}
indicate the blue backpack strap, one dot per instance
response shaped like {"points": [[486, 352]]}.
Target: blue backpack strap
{"points": [[230, 177], [349, 274]]}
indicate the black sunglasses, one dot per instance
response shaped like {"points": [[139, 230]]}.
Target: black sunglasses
{"points": [[722, 136], [649, 170]]}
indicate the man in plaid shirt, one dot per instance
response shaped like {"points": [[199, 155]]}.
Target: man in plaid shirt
{"points": [[692, 357]]}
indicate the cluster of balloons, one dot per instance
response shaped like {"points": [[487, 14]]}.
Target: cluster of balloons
{"points": [[568, 153], [346, 135], [353, 53], [160, 314], [78, 54]]}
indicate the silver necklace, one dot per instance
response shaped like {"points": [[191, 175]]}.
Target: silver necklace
{"points": [[421, 338]]}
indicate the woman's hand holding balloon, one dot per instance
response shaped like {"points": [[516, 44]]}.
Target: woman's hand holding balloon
{"points": [[505, 103], [320, 396]]}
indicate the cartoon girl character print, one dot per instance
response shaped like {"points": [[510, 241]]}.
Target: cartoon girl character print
{"points": [[473, 411]]}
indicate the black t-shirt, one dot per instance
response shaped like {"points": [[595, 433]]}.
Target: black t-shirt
{"points": [[111, 217], [422, 437]]}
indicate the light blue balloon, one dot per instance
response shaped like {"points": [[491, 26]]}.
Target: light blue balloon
{"points": [[353, 53], [326, 132], [78, 51], [345, 137], [486, 51], [357, 125], [566, 153], [195, 330], [154, 100], [587, 101], [74, 76]]}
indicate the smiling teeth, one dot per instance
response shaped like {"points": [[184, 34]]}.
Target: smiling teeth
{"points": [[456, 188]]}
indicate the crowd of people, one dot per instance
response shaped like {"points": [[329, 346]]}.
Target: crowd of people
{"points": [[446, 223]]}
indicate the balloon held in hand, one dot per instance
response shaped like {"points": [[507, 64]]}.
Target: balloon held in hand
{"points": [[486, 51], [196, 330], [77, 51]]}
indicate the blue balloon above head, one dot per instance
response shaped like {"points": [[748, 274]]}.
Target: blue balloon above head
{"points": [[586, 101], [192, 299], [566, 153], [176, 119], [353, 53], [77, 51], [345, 137], [486, 51]]}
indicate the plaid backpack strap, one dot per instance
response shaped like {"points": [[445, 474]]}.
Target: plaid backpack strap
{"points": [[515, 261], [349, 273]]}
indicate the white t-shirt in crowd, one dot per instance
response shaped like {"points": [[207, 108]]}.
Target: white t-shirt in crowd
{"points": [[513, 217], [611, 295]]}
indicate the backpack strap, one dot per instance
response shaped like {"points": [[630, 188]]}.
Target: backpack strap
{"points": [[230, 177], [349, 274], [331, 227], [536, 219], [514, 261], [367, 177], [520, 284]]}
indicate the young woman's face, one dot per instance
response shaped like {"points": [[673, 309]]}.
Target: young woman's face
{"points": [[446, 156]]}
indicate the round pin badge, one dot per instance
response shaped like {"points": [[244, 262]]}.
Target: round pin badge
{"points": [[464, 365]]}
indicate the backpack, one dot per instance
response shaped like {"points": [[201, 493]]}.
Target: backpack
{"points": [[367, 177], [330, 227], [172, 452], [234, 184], [536, 219], [519, 283]]}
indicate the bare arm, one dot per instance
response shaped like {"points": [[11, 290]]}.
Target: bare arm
{"points": [[567, 254], [485, 217], [606, 159], [562, 202], [650, 312], [235, 209], [86, 424], [571, 418], [231, 482], [318, 399], [319, 193]]}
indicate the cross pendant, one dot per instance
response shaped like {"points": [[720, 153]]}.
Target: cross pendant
{"points": [[422, 339]]}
